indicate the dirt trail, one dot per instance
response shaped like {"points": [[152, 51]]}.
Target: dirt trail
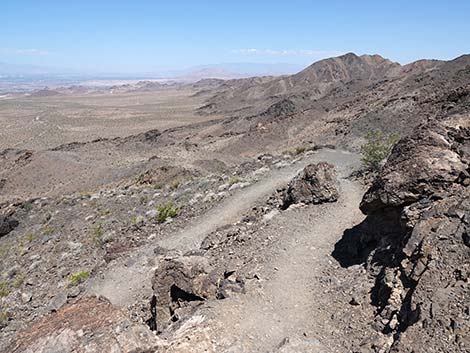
{"points": [[129, 278], [287, 305]]}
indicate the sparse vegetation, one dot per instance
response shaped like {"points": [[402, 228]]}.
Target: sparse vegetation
{"points": [[27, 206], [105, 212], [169, 210], [296, 151], [30, 237], [47, 230], [234, 179], [175, 184], [377, 148], [4, 251], [3, 318], [77, 278], [98, 232], [4, 289], [143, 200], [19, 280]]}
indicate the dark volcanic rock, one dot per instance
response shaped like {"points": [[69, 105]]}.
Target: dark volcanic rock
{"points": [[179, 281], [426, 163], [316, 183], [415, 241], [7, 224]]}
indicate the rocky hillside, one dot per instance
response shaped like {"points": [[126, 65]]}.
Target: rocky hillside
{"points": [[193, 238], [316, 80], [415, 241]]}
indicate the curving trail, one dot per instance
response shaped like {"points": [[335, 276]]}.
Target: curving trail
{"points": [[129, 278], [286, 305]]}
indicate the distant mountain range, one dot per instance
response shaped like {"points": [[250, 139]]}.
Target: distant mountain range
{"points": [[224, 70]]}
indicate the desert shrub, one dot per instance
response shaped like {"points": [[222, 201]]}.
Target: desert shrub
{"points": [[47, 230], [296, 151], [377, 148], [234, 180], [175, 184], [76, 278], [30, 237], [3, 319], [19, 280], [27, 206], [166, 211], [4, 289], [97, 236]]}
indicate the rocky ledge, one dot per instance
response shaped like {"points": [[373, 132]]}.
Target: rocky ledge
{"points": [[415, 242]]}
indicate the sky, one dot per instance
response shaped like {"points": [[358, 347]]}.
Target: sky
{"points": [[145, 36]]}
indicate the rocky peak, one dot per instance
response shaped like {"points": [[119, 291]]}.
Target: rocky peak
{"points": [[347, 67]]}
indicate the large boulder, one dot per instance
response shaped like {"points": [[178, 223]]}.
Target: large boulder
{"points": [[316, 183], [7, 224], [180, 282], [426, 163]]}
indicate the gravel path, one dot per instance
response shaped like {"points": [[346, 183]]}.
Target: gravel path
{"points": [[286, 305], [129, 279]]}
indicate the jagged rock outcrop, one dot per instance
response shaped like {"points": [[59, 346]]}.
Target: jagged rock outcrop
{"points": [[316, 183], [415, 240], [179, 281]]}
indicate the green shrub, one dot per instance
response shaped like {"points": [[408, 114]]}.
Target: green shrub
{"points": [[4, 289], [27, 206], [296, 151], [175, 184], [234, 179], [77, 278], [3, 319], [47, 230], [98, 232], [377, 148], [166, 211]]}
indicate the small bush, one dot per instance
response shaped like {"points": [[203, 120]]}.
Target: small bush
{"points": [[175, 184], [27, 206], [166, 211], [47, 230], [4, 290], [77, 278], [377, 148], [296, 151], [4, 317], [30, 237], [234, 180], [19, 280], [97, 237]]}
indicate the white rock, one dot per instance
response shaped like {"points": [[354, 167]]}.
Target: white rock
{"points": [[223, 187], [281, 164], [270, 215], [152, 213], [261, 171], [240, 185], [209, 197]]}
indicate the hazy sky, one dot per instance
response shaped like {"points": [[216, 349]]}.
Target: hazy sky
{"points": [[138, 35]]}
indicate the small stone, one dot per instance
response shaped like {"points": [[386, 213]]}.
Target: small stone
{"points": [[58, 301]]}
